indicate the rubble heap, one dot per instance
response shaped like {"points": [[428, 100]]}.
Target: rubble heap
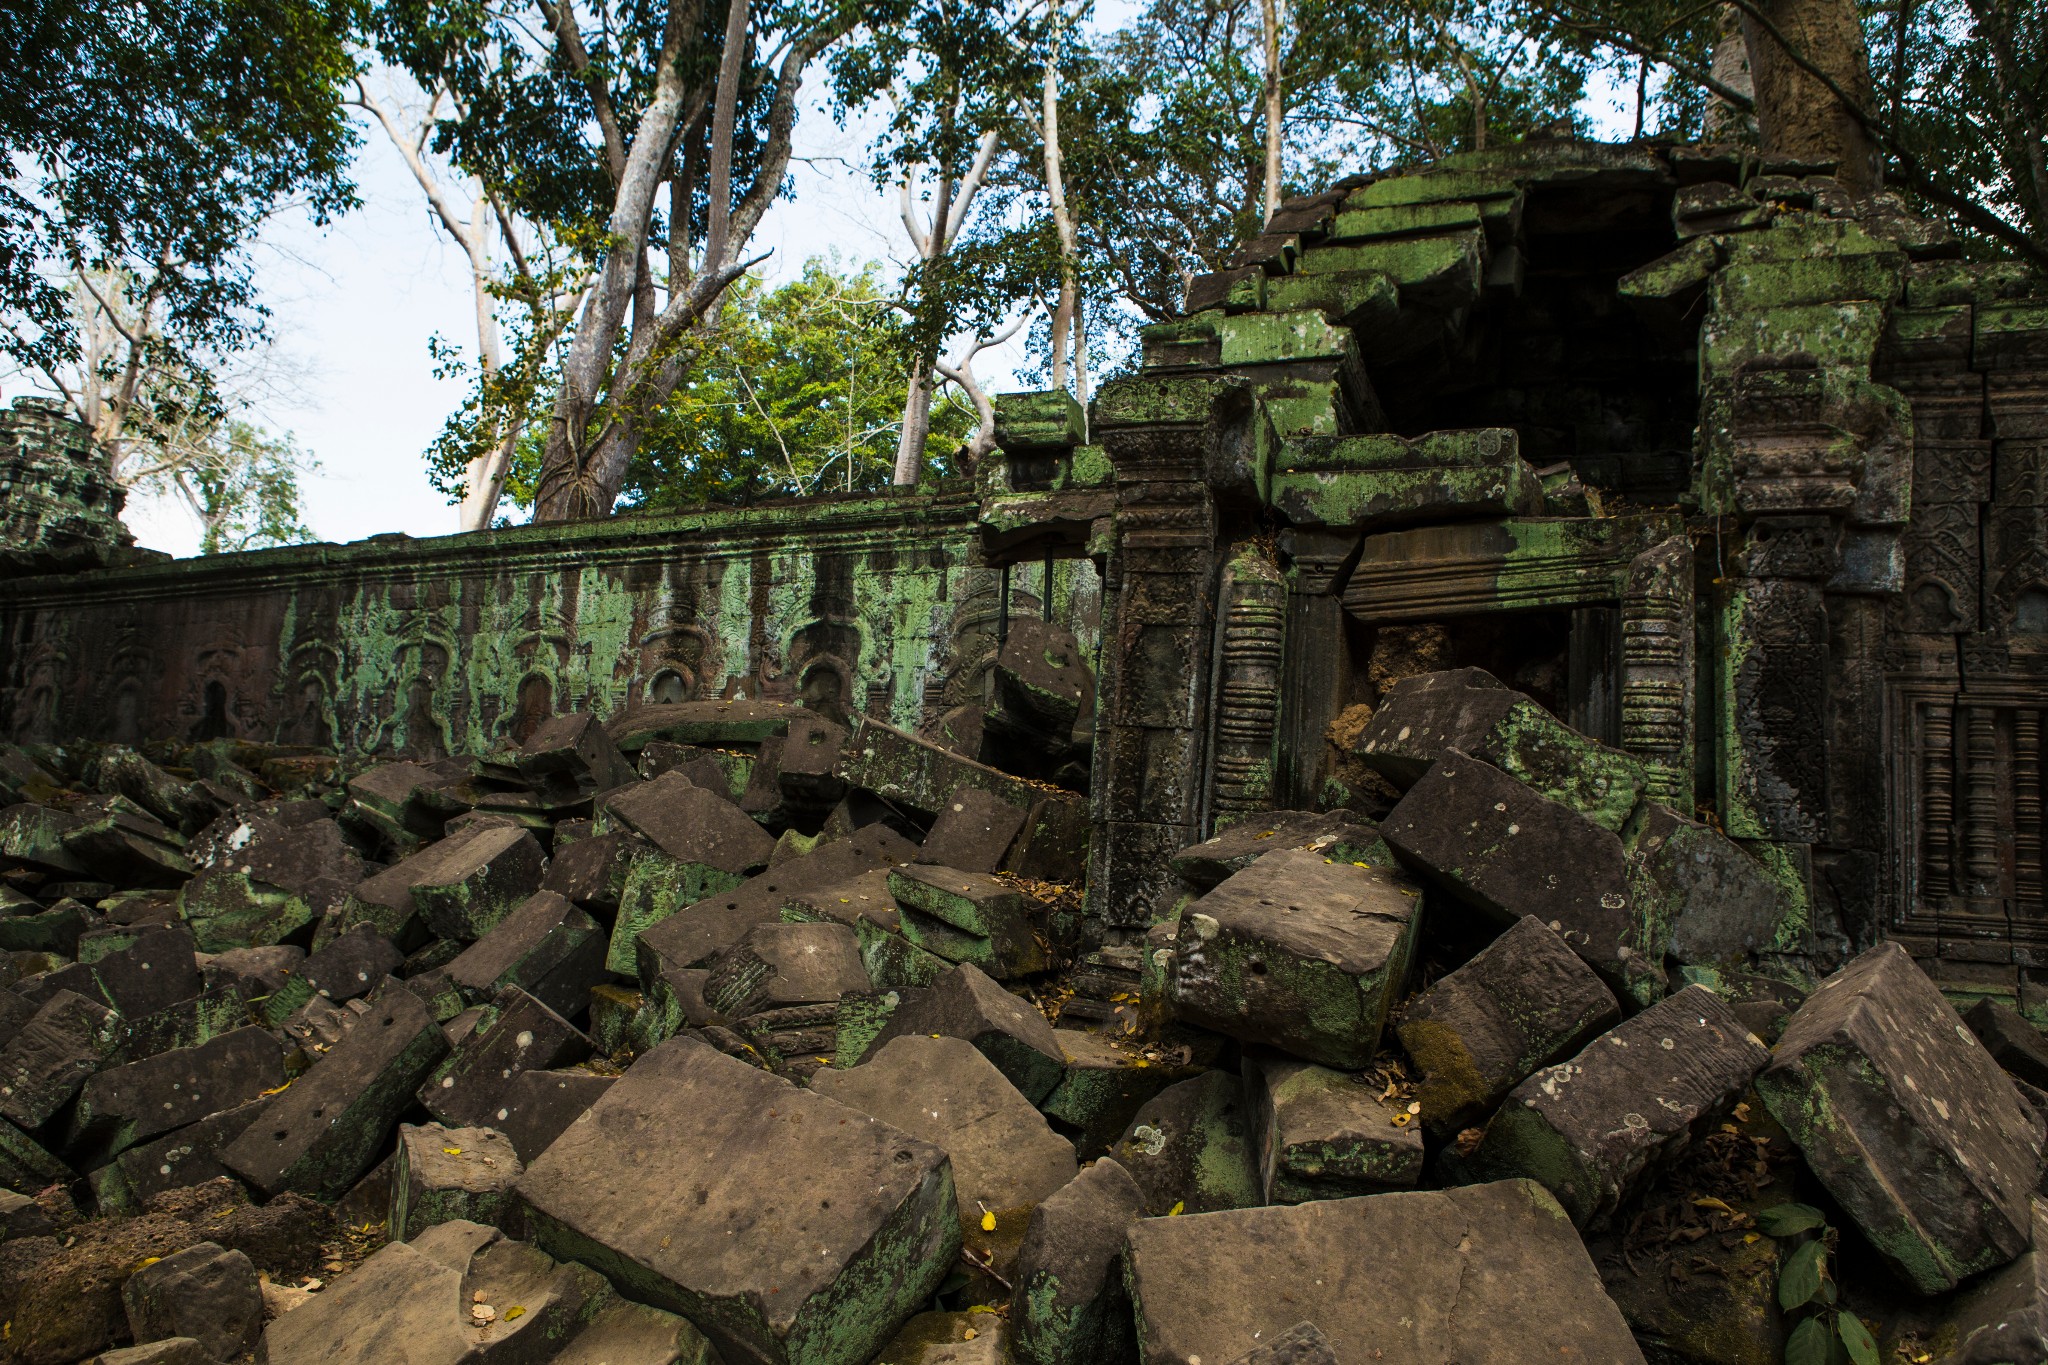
{"points": [[726, 1033]]}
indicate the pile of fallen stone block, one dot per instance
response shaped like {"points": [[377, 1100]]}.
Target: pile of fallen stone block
{"points": [[725, 1032]]}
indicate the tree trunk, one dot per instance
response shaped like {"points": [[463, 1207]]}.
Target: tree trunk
{"points": [[917, 424], [1725, 122], [1798, 117], [1269, 14]]}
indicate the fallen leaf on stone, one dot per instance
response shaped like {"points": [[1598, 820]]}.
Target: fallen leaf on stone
{"points": [[514, 1311], [988, 1222]]}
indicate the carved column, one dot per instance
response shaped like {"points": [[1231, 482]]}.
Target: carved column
{"points": [[1248, 668], [1937, 800], [1163, 435], [1657, 668]]}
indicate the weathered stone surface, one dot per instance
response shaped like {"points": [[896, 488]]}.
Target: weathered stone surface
{"points": [[1300, 952], [919, 775], [126, 1105], [353, 964], [805, 768], [189, 1156], [424, 1294], [546, 946], [1323, 1134], [43, 1065], [627, 1333], [697, 930], [1504, 848], [1041, 680], [1336, 834], [2002, 1319], [970, 1338], [592, 871], [2012, 1042], [540, 1105], [464, 886], [1190, 1148], [1524, 1002], [1589, 1129], [971, 917], [693, 825], [716, 723], [1456, 1275], [973, 832], [1907, 1120], [1381, 480], [264, 874], [1005, 1157], [1105, 1085], [787, 1227], [966, 1003], [518, 1033], [157, 970], [204, 1292], [1070, 1306], [1301, 1344], [573, 752], [169, 1351], [779, 965], [25, 1165], [443, 1174], [322, 1133], [1430, 716], [1711, 900]]}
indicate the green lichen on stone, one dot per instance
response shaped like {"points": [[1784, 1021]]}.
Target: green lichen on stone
{"points": [[861, 1017], [1273, 338], [1688, 268], [228, 910], [656, 887], [1452, 265], [1402, 220]]}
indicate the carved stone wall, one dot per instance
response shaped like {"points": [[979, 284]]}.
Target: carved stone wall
{"points": [[461, 644]]}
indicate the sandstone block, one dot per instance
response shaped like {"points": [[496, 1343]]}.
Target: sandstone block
{"points": [[787, 1227], [1456, 1273], [1524, 1002], [1190, 1147], [1507, 850], [1321, 1134], [1070, 1306], [546, 946], [1907, 1120], [1590, 1129], [1011, 1033], [321, 1134], [1298, 952], [203, 1292]]}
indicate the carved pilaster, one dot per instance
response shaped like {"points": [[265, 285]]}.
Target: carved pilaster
{"points": [[1248, 668], [1937, 799], [1657, 669]]}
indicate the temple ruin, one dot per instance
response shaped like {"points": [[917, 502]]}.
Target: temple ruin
{"points": [[1697, 504]]}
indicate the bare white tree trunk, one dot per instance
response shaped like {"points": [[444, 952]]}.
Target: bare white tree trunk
{"points": [[584, 466], [1269, 14], [1725, 122], [1064, 321], [483, 480], [932, 241]]}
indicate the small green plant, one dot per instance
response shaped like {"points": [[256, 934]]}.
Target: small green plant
{"points": [[1825, 1333]]}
